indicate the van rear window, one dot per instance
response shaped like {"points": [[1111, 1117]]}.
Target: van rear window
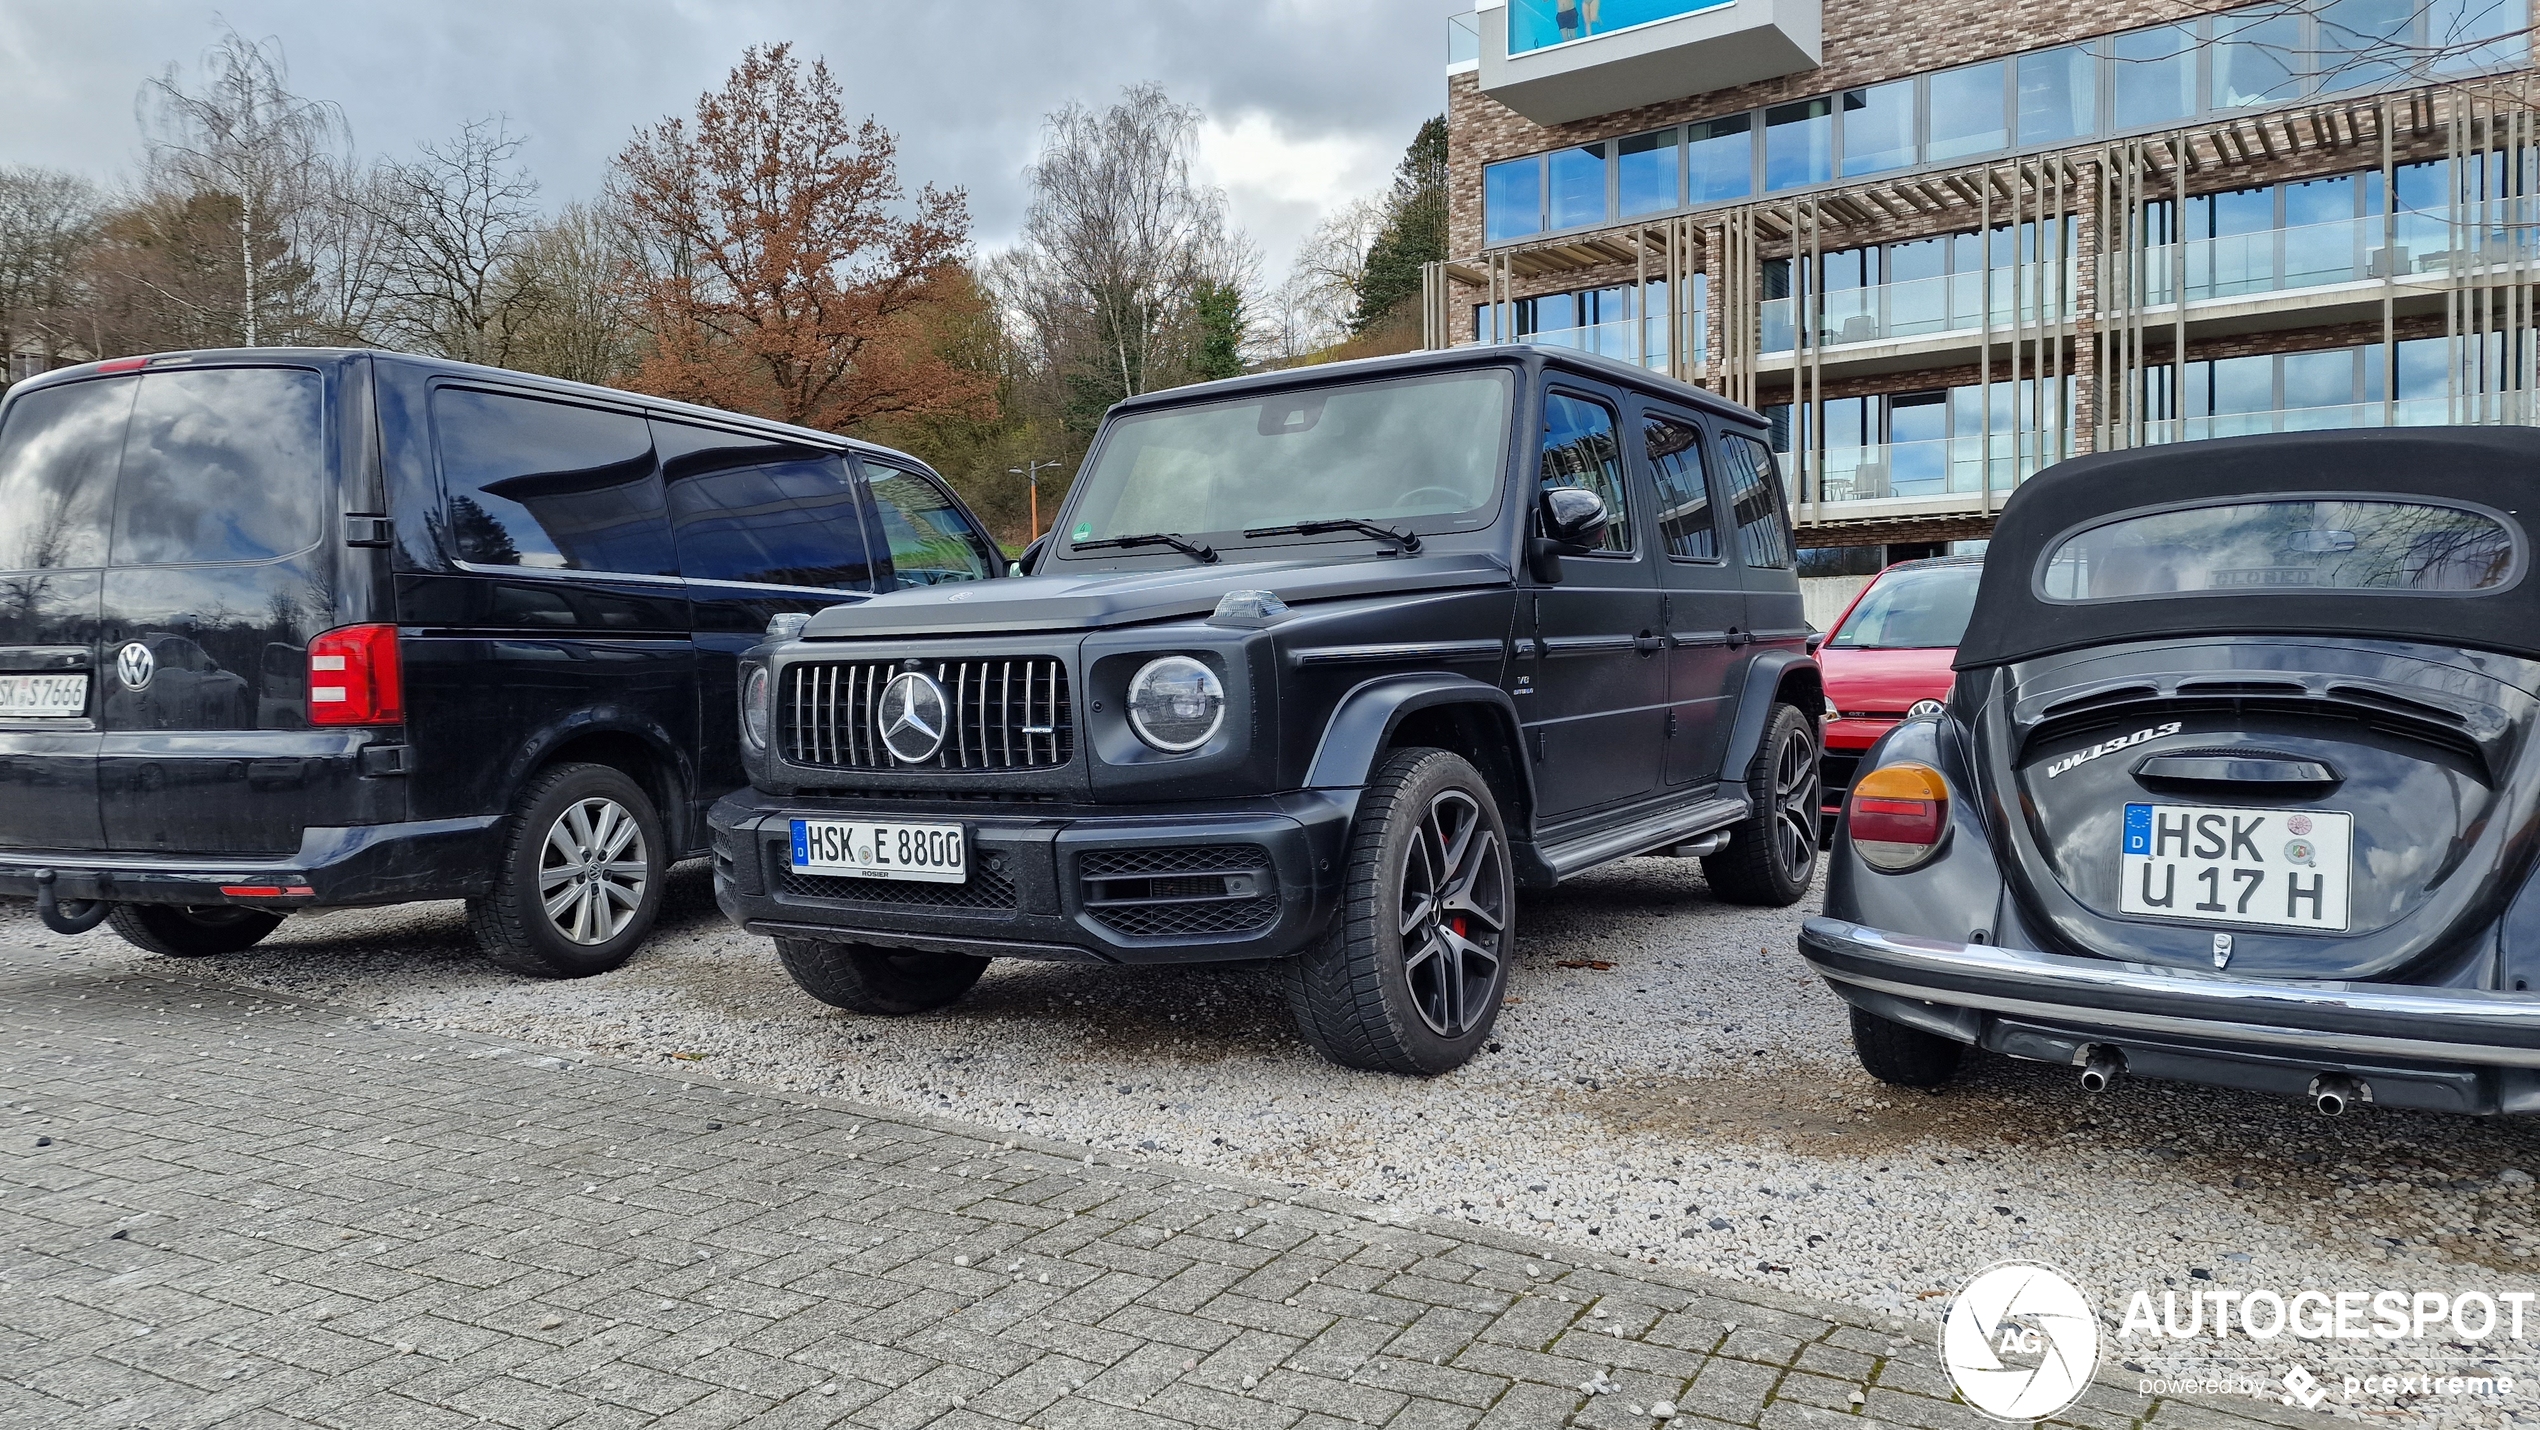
{"points": [[57, 473], [2285, 545], [222, 464]]}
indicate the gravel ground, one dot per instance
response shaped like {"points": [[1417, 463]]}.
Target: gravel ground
{"points": [[1668, 1083]]}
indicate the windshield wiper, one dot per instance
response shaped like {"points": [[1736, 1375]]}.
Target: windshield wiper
{"points": [[1207, 555], [1407, 540]]}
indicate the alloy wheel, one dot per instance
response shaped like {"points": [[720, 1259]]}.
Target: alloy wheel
{"points": [[1454, 914], [1797, 795], [592, 870]]}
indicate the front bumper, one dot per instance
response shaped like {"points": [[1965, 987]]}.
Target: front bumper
{"points": [[1070, 884], [2445, 1049], [358, 864]]}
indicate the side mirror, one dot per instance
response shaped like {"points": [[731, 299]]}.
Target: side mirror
{"points": [[1815, 639], [1572, 521], [1031, 556]]}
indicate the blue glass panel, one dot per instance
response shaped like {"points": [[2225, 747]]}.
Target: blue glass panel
{"points": [[1512, 199], [2362, 43], [2059, 95], [1798, 144], [1878, 128], [1720, 159], [1533, 24], [1645, 173], [2155, 75], [1578, 187], [1967, 112], [2257, 57]]}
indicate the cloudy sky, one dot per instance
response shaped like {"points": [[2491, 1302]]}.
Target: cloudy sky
{"points": [[1309, 102]]}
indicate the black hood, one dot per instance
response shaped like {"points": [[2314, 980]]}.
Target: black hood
{"points": [[1125, 598]]}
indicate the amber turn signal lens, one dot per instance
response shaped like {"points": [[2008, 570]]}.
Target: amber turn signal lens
{"points": [[1898, 814]]}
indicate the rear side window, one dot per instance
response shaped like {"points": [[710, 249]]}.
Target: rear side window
{"points": [[1755, 501], [1685, 522], [769, 513], [57, 473], [549, 485], [930, 542], [222, 464], [1580, 450], [2298, 546]]}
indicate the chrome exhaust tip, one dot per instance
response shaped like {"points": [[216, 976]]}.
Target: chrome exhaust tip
{"points": [[2333, 1093], [2101, 1069]]}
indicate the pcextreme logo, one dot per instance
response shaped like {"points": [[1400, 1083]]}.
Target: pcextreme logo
{"points": [[2020, 1342]]}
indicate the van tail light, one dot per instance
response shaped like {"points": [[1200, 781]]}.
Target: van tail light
{"points": [[355, 677], [1898, 814]]}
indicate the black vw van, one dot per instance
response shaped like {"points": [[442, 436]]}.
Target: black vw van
{"points": [[295, 628]]}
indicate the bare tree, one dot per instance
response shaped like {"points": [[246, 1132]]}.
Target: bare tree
{"points": [[47, 219], [1119, 243], [574, 316], [276, 162], [1318, 304], [458, 224]]}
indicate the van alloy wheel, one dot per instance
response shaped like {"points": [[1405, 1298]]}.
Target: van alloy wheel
{"points": [[1452, 917], [592, 871]]}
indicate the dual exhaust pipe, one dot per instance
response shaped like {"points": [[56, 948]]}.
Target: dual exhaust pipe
{"points": [[2331, 1093]]}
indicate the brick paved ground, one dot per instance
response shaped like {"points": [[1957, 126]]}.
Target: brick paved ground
{"points": [[261, 1213]]}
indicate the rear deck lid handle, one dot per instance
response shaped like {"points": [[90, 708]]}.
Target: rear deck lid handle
{"points": [[2245, 769]]}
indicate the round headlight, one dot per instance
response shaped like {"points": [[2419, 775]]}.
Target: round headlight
{"points": [[1176, 703], [757, 716]]}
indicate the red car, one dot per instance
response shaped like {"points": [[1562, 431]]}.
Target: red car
{"points": [[1888, 654]]}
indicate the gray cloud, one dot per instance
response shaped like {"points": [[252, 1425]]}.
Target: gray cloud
{"points": [[1293, 87]]}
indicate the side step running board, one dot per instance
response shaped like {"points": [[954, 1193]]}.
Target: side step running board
{"points": [[1657, 831]]}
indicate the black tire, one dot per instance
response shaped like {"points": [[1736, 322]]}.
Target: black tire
{"points": [[1772, 853], [886, 982], [610, 897], [1410, 976], [192, 930], [1902, 1056]]}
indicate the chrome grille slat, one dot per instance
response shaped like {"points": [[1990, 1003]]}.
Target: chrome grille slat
{"points": [[999, 717]]}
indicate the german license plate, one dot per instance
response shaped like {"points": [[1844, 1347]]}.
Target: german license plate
{"points": [[2284, 868], [43, 696], [881, 849]]}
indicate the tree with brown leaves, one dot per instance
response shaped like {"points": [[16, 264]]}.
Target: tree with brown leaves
{"points": [[788, 274]]}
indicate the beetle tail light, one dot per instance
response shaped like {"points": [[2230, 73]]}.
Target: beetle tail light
{"points": [[355, 677], [1898, 814]]}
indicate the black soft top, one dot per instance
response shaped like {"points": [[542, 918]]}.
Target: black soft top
{"points": [[2496, 469]]}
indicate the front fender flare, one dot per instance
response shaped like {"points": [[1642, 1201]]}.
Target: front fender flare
{"points": [[1764, 678], [1365, 719]]}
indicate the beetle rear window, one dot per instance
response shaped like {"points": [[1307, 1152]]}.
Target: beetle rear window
{"points": [[2304, 545]]}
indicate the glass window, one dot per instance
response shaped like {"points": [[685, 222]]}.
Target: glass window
{"points": [[744, 508], [58, 452], [1428, 450], [2257, 57], [2424, 368], [548, 484], [222, 464], [932, 544], [2059, 95], [1580, 450], [2468, 36], [2319, 379], [2240, 384], [1917, 608], [1685, 524], [2363, 44], [2299, 546], [2155, 75], [1645, 173], [1798, 144], [1512, 199], [1755, 500], [1878, 128], [1578, 186], [1720, 159], [1967, 112]]}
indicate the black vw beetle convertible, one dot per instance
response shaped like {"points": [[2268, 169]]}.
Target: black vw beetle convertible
{"points": [[2237, 784]]}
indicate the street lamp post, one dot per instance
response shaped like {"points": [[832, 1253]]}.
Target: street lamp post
{"points": [[1030, 472]]}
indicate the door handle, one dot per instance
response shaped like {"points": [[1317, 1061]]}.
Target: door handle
{"points": [[1647, 643], [1738, 637]]}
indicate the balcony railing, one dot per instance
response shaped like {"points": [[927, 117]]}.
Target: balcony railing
{"points": [[1539, 24], [1613, 340], [2406, 412], [1934, 467], [1953, 302], [1463, 39], [2321, 254]]}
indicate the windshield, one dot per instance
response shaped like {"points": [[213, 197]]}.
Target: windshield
{"points": [[1422, 454], [2285, 546], [1912, 610]]}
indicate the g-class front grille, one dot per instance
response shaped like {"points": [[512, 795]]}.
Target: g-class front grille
{"points": [[999, 713]]}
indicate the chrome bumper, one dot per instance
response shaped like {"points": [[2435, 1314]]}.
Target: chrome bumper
{"points": [[1979, 984]]}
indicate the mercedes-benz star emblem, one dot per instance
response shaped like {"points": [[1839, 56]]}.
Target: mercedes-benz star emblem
{"points": [[912, 717], [135, 665]]}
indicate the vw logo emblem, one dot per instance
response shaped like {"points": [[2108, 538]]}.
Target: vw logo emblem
{"points": [[912, 717], [1924, 710], [135, 665]]}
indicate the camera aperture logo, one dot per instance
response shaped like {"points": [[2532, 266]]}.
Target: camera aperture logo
{"points": [[2020, 1342]]}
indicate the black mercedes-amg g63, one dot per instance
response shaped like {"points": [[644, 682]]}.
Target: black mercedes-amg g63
{"points": [[1318, 666]]}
